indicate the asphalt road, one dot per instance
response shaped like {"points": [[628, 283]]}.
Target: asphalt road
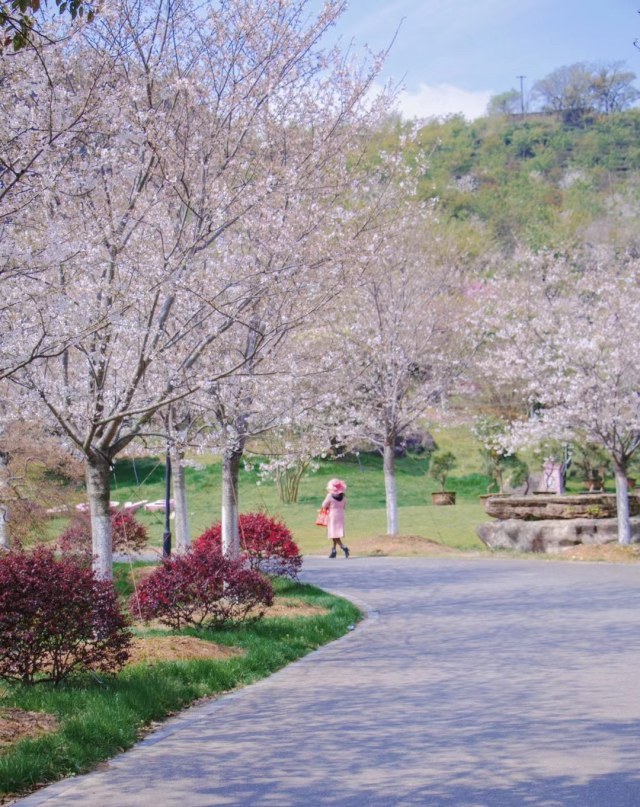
{"points": [[473, 682]]}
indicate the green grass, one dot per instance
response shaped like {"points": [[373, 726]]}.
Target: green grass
{"points": [[101, 716], [366, 515]]}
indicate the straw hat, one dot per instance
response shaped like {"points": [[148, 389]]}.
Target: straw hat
{"points": [[336, 486]]}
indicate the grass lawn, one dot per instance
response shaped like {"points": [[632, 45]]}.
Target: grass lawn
{"points": [[366, 516], [96, 717]]}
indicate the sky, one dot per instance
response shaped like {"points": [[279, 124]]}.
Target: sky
{"points": [[453, 55]]}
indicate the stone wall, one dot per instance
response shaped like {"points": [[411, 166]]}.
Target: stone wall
{"points": [[552, 535]]}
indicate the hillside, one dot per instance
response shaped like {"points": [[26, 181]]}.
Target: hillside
{"points": [[533, 180]]}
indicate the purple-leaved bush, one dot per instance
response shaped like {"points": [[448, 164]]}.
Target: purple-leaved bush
{"points": [[129, 535], [267, 545], [57, 618], [202, 589]]}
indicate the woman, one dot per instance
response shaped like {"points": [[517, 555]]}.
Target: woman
{"points": [[335, 503]]}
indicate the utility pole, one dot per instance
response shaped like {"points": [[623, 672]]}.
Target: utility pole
{"points": [[522, 78]]}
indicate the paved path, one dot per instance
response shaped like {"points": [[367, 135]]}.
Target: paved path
{"points": [[474, 683]]}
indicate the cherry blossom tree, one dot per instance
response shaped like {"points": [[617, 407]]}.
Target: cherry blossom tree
{"points": [[400, 337], [216, 124], [273, 396], [565, 328], [273, 403], [51, 102], [274, 393]]}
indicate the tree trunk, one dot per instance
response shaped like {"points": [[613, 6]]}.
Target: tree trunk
{"points": [[183, 533], [230, 533], [4, 528], [390, 487], [98, 493], [4, 513], [288, 481], [622, 505]]}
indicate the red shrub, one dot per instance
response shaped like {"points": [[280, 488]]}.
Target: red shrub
{"points": [[202, 589], [128, 534], [267, 545], [57, 618]]}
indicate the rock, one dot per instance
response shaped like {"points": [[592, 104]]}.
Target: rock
{"points": [[554, 506], [549, 535], [158, 506]]}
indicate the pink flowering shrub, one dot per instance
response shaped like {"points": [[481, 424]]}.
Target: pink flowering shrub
{"points": [[202, 589], [266, 545], [128, 534], [57, 618]]}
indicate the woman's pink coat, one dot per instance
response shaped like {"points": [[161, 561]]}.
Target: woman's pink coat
{"points": [[335, 525]]}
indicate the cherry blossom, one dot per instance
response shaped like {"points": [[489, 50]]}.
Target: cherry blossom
{"points": [[565, 329], [203, 202]]}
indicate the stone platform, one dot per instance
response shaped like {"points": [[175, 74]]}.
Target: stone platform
{"points": [[551, 522], [557, 506]]}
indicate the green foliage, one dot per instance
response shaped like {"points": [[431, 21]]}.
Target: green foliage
{"points": [[531, 179], [442, 463], [590, 464], [18, 23], [501, 467]]}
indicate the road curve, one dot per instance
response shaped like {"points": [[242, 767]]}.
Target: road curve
{"points": [[472, 683]]}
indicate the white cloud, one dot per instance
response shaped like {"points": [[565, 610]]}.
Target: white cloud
{"points": [[442, 99]]}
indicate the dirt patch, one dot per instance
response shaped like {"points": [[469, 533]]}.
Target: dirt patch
{"points": [[386, 546], [607, 553], [288, 607], [16, 725], [152, 649], [291, 608]]}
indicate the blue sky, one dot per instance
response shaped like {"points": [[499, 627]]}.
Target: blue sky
{"points": [[453, 55]]}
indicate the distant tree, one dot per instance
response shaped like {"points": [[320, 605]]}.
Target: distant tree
{"points": [[564, 331], [579, 89], [505, 103], [567, 91], [611, 88], [401, 339]]}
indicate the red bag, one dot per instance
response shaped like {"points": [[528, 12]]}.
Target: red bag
{"points": [[322, 519]]}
